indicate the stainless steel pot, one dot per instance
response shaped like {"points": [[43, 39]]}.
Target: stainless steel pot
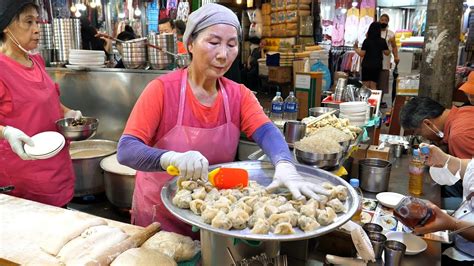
{"points": [[214, 248], [86, 156], [374, 174], [119, 182]]}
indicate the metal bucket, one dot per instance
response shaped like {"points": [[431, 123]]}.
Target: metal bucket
{"points": [[214, 249], [119, 182], [86, 156], [374, 174]]}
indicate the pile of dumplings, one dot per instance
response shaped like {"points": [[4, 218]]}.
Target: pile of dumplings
{"points": [[255, 208]]}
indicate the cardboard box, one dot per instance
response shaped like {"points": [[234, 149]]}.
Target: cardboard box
{"points": [[280, 74], [359, 154], [383, 154]]}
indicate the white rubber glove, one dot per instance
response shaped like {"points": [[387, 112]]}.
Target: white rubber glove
{"points": [[16, 138], [286, 175], [191, 164], [76, 114]]}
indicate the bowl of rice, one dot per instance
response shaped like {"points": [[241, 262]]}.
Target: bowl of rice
{"points": [[332, 133], [318, 151]]}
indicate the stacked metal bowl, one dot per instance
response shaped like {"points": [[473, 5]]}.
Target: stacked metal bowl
{"points": [[67, 36], [46, 36], [134, 53], [324, 161], [46, 43], [157, 58]]}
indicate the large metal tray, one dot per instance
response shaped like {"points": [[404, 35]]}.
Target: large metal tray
{"points": [[262, 172]]}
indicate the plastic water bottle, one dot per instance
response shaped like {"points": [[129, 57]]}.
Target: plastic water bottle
{"points": [[291, 107], [277, 109], [415, 169], [355, 184]]}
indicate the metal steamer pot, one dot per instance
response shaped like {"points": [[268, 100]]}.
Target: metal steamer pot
{"points": [[119, 182], [216, 243], [86, 156]]}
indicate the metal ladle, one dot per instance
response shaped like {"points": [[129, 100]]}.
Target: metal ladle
{"points": [[365, 94]]}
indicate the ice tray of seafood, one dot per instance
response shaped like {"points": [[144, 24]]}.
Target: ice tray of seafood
{"points": [[253, 213]]}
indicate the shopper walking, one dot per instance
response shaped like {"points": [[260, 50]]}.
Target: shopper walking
{"points": [[389, 37], [372, 51]]}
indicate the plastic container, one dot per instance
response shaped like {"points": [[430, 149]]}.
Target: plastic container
{"points": [[416, 167], [355, 184], [276, 113], [291, 107]]}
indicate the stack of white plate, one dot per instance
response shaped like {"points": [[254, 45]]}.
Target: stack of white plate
{"points": [[355, 112], [47, 145], [86, 58]]}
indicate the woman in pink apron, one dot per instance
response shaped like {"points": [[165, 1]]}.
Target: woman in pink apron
{"points": [[193, 117], [29, 104]]}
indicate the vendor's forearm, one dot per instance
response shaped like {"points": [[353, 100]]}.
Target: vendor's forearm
{"points": [[133, 153], [64, 108], [468, 234], [269, 138], [456, 164]]}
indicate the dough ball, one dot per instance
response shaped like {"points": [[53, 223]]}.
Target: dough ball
{"points": [[143, 256], [176, 246]]}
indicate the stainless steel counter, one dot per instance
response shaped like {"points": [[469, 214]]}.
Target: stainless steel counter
{"points": [[108, 94]]}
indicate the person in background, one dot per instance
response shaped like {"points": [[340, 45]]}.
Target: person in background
{"points": [[169, 26], [468, 89], [464, 216], [373, 49], [91, 39], [389, 37], [193, 117], [180, 28], [166, 25], [453, 127], [251, 66], [126, 35], [29, 104]]}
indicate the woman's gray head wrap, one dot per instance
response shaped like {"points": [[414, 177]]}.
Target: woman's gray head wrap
{"points": [[209, 15]]}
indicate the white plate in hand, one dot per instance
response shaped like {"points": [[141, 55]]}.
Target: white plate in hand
{"points": [[415, 244], [46, 143], [389, 199]]}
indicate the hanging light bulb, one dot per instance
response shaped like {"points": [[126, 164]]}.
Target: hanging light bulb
{"points": [[343, 10], [73, 8], [93, 4], [77, 14], [354, 4], [249, 3], [137, 12], [239, 2]]}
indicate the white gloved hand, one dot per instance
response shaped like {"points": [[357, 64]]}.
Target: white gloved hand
{"points": [[191, 164], [76, 114], [286, 175], [16, 138]]}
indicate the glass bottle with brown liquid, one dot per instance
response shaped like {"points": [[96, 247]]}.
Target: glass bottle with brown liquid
{"points": [[413, 212], [416, 168]]}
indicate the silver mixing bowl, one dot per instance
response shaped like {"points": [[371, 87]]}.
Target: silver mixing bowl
{"points": [[71, 131]]}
